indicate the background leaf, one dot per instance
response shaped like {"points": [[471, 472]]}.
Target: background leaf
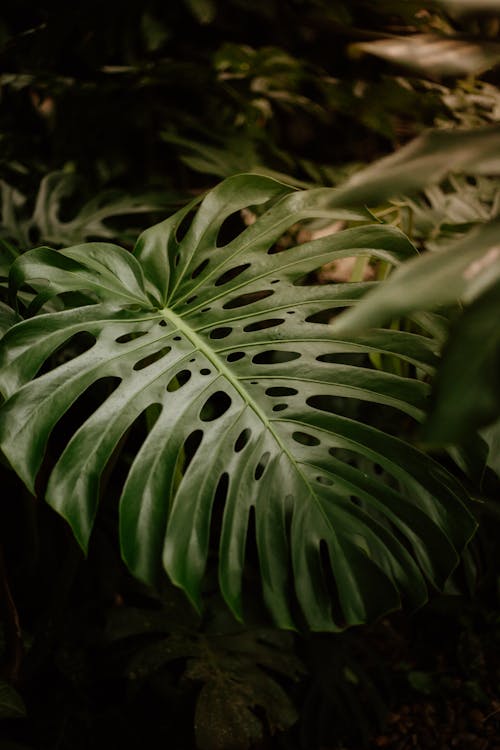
{"points": [[466, 395], [11, 704], [461, 271], [435, 55]]}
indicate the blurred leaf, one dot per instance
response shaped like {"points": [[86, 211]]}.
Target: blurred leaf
{"points": [[472, 5], [8, 254], [56, 192], [154, 31], [425, 160], [224, 720], [235, 685], [447, 211], [467, 393], [491, 435], [422, 682], [433, 55], [461, 271], [203, 10], [11, 704], [154, 656]]}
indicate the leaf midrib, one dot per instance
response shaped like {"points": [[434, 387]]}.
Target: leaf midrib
{"points": [[209, 353]]}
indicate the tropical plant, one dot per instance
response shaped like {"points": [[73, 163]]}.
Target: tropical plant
{"points": [[216, 353]]}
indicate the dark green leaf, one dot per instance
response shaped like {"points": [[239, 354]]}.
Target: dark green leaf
{"points": [[467, 395], [247, 384]]}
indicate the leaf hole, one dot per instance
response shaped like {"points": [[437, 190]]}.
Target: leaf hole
{"points": [[179, 380], [177, 338], [274, 357], [235, 356], [126, 337], [220, 333], [261, 466], [324, 316], [217, 515], [343, 358], [280, 407], [73, 347], [231, 227], [205, 371], [290, 312], [281, 390], [247, 299], [328, 404], [326, 481], [275, 281], [200, 268], [262, 324], [163, 323], [217, 405], [242, 439], [191, 445], [85, 405], [231, 274], [183, 227], [304, 438], [152, 358], [206, 309], [190, 300]]}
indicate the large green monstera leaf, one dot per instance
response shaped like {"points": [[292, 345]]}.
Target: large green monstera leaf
{"points": [[246, 393]]}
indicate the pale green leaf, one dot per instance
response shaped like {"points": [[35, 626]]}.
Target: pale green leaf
{"points": [[461, 271], [425, 160], [434, 55]]}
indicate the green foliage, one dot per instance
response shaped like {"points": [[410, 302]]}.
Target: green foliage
{"points": [[114, 116], [91, 219], [464, 270], [218, 338], [237, 672]]}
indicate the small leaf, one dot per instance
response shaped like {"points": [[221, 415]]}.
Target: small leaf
{"points": [[203, 10], [434, 55], [11, 704]]}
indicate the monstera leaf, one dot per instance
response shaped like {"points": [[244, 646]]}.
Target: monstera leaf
{"points": [[223, 349]]}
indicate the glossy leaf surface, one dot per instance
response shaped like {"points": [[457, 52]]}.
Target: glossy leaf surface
{"points": [[222, 338]]}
